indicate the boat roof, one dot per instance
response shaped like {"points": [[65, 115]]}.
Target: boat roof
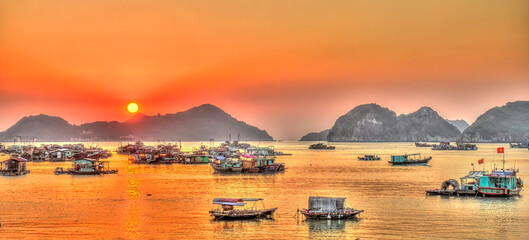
{"points": [[502, 173], [473, 174], [18, 159], [318, 197], [236, 199]]}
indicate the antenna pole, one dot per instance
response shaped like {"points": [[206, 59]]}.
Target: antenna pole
{"points": [[503, 161]]}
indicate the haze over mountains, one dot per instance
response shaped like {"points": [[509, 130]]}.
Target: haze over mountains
{"points": [[199, 123], [364, 123], [508, 123], [373, 123]]}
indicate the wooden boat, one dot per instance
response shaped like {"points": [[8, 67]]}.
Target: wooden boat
{"points": [[519, 145], [321, 146], [196, 159], [500, 183], [14, 166], [87, 167], [369, 158], [155, 158], [409, 159], [248, 165], [459, 146], [229, 212], [328, 208]]}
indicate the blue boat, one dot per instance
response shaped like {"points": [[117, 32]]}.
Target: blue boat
{"points": [[409, 159], [500, 183]]}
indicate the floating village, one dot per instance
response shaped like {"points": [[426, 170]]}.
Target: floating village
{"points": [[234, 157]]}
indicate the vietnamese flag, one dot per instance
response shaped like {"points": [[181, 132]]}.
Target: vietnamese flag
{"points": [[481, 161], [501, 150]]}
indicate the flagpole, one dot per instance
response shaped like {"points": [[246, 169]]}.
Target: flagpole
{"points": [[503, 153]]}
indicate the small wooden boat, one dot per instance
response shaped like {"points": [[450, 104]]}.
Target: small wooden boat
{"points": [[369, 158], [409, 159], [229, 212], [328, 208], [519, 145], [321, 146]]}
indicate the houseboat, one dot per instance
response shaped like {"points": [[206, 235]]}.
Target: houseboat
{"points": [[87, 167], [240, 208], [409, 159], [61, 155], [459, 146], [196, 159], [247, 165], [321, 146], [328, 208], [13, 167], [154, 158], [369, 158]]}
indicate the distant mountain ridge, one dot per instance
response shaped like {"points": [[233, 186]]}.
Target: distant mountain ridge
{"points": [[199, 123], [373, 123], [316, 136], [508, 123], [460, 124]]}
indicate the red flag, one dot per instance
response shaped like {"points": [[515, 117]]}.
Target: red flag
{"points": [[481, 161], [501, 150]]}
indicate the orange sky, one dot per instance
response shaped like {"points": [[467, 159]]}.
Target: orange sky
{"points": [[289, 67]]}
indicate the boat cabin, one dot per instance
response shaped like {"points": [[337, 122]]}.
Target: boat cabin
{"points": [[326, 204], [497, 182], [197, 159], [13, 166], [260, 151], [88, 165], [470, 181], [61, 155]]}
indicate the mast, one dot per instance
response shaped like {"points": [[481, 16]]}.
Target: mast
{"points": [[503, 161]]}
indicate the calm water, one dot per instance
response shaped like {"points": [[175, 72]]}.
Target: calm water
{"points": [[45, 206]]}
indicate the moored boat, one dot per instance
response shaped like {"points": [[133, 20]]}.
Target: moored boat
{"points": [[519, 145], [321, 146], [458, 147], [14, 166], [196, 159], [369, 158], [238, 209], [500, 183], [87, 167], [409, 159], [247, 164], [328, 208]]}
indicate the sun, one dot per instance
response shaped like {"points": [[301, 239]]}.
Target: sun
{"points": [[132, 107]]}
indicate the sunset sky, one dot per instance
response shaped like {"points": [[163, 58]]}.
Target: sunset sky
{"points": [[289, 67]]}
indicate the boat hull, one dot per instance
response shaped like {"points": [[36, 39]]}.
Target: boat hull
{"points": [[412, 162], [499, 192], [330, 216], [242, 214]]}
